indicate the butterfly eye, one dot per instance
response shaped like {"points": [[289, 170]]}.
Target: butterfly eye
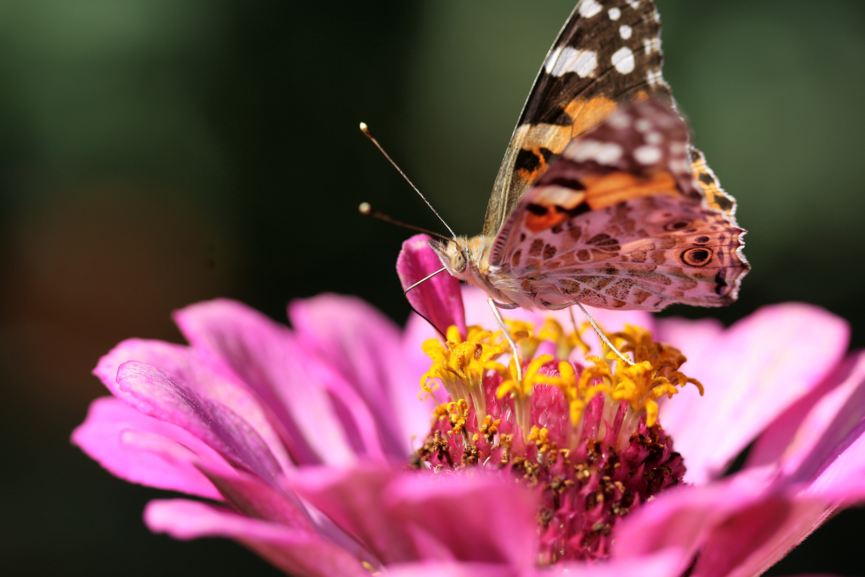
{"points": [[460, 261], [697, 256]]}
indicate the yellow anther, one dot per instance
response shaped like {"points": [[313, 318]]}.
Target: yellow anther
{"points": [[459, 364], [490, 426], [520, 329], [453, 335], [565, 342], [539, 435], [523, 334], [457, 412], [532, 377]]}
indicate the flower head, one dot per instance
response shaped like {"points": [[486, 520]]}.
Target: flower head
{"points": [[312, 446], [583, 435]]}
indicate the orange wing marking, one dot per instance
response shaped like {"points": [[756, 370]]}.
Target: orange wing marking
{"points": [[609, 189]]}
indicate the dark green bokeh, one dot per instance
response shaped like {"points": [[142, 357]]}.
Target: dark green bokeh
{"points": [[155, 153]]}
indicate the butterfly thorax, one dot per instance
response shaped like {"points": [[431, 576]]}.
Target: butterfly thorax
{"points": [[468, 259]]}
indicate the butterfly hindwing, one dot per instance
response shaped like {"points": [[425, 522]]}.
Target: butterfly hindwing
{"points": [[619, 221], [716, 197], [607, 54]]}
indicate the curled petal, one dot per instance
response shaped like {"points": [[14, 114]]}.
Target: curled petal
{"points": [[145, 450], [439, 299], [285, 378], [156, 394]]}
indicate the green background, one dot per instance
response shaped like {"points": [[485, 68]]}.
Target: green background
{"points": [[154, 153]]}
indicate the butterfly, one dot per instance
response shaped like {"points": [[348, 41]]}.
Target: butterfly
{"points": [[601, 199]]}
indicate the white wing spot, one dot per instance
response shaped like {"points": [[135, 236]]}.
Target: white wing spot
{"points": [[623, 60], [643, 125], [589, 8], [680, 166], [651, 45], [625, 31], [654, 138], [634, 4], [564, 60], [647, 154], [619, 120], [600, 152], [654, 78], [614, 13]]}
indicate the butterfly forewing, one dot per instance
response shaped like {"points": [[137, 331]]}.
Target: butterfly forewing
{"points": [[601, 199], [607, 54]]}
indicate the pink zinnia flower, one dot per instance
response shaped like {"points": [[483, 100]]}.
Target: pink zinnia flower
{"points": [[312, 447]]}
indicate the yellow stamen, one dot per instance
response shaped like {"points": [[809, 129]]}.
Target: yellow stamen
{"points": [[553, 332], [460, 364]]}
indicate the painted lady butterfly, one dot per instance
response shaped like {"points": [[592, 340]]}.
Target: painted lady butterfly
{"points": [[600, 198]]}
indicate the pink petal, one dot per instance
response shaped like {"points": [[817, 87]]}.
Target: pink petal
{"points": [[697, 340], [681, 517], [296, 552], [739, 527], [439, 298], [819, 428], [665, 563], [467, 517], [754, 539], [414, 409], [141, 449], [365, 348], [277, 368], [247, 494], [183, 365], [843, 481], [758, 368], [156, 394], [353, 499], [451, 570]]}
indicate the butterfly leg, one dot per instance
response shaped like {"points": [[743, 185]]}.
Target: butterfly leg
{"points": [[601, 335], [517, 359]]}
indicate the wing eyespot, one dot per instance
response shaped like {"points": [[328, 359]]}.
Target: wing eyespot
{"points": [[697, 256], [676, 225]]}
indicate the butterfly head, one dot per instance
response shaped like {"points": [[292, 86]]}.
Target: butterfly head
{"points": [[466, 258], [454, 254]]}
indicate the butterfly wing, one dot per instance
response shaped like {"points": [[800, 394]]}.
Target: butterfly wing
{"points": [[620, 221], [608, 53]]}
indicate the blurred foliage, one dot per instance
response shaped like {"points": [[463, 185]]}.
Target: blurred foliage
{"points": [[154, 153]]}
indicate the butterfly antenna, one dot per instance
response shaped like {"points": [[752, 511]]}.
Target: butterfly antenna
{"points": [[366, 209], [365, 129], [414, 285]]}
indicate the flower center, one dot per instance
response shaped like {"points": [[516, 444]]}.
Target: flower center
{"points": [[584, 432]]}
